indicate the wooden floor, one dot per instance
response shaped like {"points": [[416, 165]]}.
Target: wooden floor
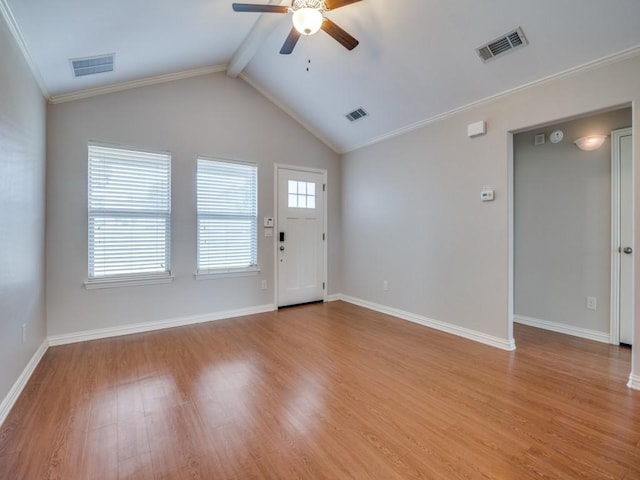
{"points": [[328, 391]]}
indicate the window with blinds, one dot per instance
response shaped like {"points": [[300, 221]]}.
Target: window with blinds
{"points": [[129, 214], [227, 216]]}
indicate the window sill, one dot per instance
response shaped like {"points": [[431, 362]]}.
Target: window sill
{"points": [[126, 282], [227, 272]]}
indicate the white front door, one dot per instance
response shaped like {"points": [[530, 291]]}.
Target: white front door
{"points": [[300, 236], [623, 150]]}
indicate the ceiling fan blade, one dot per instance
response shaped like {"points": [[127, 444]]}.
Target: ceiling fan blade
{"points": [[333, 4], [250, 7], [290, 42], [346, 40]]}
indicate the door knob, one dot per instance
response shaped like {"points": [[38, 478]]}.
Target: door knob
{"points": [[282, 248], [628, 250]]}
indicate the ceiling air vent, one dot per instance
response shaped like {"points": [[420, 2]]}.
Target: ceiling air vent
{"points": [[92, 65], [501, 45], [356, 115]]}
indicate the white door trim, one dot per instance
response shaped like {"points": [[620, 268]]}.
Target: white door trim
{"points": [[511, 276], [276, 168], [614, 332]]}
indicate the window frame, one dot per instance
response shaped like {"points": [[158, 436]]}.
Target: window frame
{"points": [[142, 278], [231, 271]]}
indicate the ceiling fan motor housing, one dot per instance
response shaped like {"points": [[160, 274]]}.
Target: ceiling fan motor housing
{"points": [[314, 4]]}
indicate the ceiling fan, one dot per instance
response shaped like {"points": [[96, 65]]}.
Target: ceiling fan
{"points": [[308, 17]]}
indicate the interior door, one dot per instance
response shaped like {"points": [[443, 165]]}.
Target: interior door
{"points": [[624, 147], [300, 236]]}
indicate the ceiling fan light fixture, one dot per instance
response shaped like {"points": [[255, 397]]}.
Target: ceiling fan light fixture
{"points": [[307, 21]]}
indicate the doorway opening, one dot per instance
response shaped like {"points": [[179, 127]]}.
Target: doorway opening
{"points": [[569, 270]]}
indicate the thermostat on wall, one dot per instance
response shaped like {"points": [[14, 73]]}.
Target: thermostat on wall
{"points": [[486, 194]]}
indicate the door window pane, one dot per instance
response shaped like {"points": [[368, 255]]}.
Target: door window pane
{"points": [[302, 194]]}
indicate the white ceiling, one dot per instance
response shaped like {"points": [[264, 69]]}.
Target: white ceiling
{"points": [[416, 59]]}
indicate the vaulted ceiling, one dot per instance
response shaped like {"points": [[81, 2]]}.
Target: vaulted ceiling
{"points": [[416, 59]]}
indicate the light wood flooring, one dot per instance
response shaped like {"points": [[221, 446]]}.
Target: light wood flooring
{"points": [[325, 391]]}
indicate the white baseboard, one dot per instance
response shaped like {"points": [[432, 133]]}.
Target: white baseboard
{"points": [[561, 328], [333, 298], [18, 386], [634, 382], [474, 335], [158, 325]]}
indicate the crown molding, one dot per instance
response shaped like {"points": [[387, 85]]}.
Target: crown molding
{"points": [[12, 24], [593, 65], [289, 112], [143, 82]]}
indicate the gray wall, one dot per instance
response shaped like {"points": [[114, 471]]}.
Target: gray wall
{"points": [[412, 213], [22, 174], [562, 199], [212, 115], [413, 217]]}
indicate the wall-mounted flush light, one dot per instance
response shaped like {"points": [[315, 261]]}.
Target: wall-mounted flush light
{"points": [[592, 142]]}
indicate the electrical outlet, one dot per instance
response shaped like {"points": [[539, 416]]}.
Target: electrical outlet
{"points": [[592, 303], [264, 284], [385, 286], [24, 333]]}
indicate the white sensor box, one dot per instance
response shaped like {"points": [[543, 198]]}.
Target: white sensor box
{"points": [[475, 129]]}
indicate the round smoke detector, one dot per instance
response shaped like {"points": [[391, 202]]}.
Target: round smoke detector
{"points": [[556, 136]]}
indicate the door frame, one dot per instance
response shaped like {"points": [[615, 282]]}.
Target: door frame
{"points": [[325, 224], [614, 329]]}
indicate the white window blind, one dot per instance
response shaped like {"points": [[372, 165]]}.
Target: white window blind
{"points": [[227, 216], [129, 214]]}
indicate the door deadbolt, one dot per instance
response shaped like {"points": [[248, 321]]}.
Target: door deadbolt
{"points": [[282, 248]]}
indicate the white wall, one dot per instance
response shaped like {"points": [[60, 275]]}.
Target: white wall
{"points": [[411, 204], [22, 174], [563, 224], [212, 115]]}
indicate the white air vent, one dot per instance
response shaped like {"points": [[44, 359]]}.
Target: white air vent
{"points": [[501, 45], [92, 65], [356, 115]]}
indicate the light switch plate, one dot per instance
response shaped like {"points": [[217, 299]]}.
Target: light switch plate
{"points": [[268, 221]]}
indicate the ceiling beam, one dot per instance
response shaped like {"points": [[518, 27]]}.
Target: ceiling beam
{"points": [[263, 27]]}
